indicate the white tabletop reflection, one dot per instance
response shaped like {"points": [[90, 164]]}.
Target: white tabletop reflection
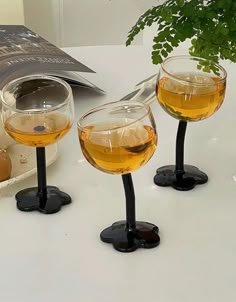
{"points": [[61, 258]]}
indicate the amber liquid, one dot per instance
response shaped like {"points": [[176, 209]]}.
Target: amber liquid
{"points": [[118, 150], [37, 130], [191, 102]]}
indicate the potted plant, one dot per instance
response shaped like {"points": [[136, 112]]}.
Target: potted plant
{"points": [[209, 24]]}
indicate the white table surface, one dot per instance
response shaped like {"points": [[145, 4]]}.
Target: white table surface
{"points": [[60, 258]]}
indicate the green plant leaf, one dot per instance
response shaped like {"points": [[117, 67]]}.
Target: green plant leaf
{"points": [[209, 24]]}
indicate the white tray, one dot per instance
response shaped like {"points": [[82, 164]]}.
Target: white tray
{"points": [[22, 170]]}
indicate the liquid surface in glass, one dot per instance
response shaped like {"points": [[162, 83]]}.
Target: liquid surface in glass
{"points": [[191, 101], [37, 130], [118, 150]]}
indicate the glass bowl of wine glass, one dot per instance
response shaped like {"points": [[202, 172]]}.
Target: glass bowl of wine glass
{"points": [[119, 138], [189, 89], [37, 111]]}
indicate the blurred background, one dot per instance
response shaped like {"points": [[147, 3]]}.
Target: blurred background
{"points": [[67, 23]]}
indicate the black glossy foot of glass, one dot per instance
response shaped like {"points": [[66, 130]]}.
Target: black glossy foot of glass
{"points": [[192, 176], [49, 203], [145, 235]]}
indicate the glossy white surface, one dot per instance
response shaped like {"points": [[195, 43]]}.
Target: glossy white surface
{"points": [[61, 258]]}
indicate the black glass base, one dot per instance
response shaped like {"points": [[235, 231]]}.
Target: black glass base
{"points": [[192, 176], [144, 236], [51, 202]]}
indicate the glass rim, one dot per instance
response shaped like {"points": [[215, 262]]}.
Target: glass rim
{"points": [[34, 77], [194, 58], [100, 107]]}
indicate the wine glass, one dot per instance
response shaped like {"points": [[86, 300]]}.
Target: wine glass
{"points": [[118, 138], [189, 89], [37, 111]]}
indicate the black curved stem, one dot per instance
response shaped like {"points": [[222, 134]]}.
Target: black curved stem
{"points": [[179, 163], [130, 201], [41, 170]]}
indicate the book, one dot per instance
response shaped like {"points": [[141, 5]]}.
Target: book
{"points": [[23, 52]]}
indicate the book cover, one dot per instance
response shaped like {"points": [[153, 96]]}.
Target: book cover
{"points": [[24, 52]]}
